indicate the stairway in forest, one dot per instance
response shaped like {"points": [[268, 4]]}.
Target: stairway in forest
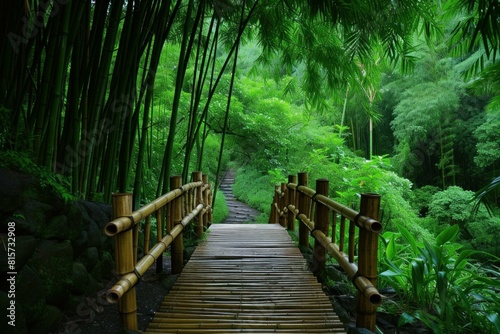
{"points": [[239, 212]]}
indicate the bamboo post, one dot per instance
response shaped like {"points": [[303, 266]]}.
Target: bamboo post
{"points": [[272, 215], [147, 233], [303, 205], [204, 178], [210, 202], [291, 195], [159, 236], [124, 257], [177, 247], [367, 261], [197, 176], [282, 205], [321, 221]]}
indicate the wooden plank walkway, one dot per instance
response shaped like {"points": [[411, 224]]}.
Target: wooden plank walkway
{"points": [[246, 278]]}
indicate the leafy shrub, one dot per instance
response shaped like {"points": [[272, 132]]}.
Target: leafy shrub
{"points": [[422, 198], [21, 161], [221, 210], [439, 284]]}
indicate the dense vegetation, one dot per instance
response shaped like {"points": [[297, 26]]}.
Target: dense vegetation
{"points": [[401, 98]]}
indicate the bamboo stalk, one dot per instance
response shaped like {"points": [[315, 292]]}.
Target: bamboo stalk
{"points": [[290, 199], [205, 191], [283, 217], [367, 261], [303, 206], [159, 237], [147, 234], [122, 206], [352, 235], [272, 215], [342, 234], [135, 241], [197, 176], [320, 223], [177, 247]]}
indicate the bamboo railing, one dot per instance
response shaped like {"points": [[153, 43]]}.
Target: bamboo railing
{"points": [[315, 212], [179, 206]]}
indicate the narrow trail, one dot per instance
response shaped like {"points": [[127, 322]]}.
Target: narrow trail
{"points": [[239, 212]]}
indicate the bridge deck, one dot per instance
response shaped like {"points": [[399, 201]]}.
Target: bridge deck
{"points": [[246, 279]]}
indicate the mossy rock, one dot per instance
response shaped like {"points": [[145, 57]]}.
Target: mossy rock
{"points": [[23, 227], [80, 278], [56, 228], [25, 248], [96, 272], [20, 320], [30, 294], [89, 258], [50, 321], [75, 220], [38, 214], [107, 265], [10, 192], [54, 263], [93, 286], [94, 235], [80, 244]]}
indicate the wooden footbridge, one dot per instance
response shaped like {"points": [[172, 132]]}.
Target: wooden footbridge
{"points": [[247, 278]]}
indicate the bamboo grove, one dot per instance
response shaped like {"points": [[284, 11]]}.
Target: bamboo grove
{"points": [[81, 80], [78, 77]]}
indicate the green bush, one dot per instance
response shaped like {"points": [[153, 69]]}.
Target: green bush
{"points": [[439, 284], [220, 208]]}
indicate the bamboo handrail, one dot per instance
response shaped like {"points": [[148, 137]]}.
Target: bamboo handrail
{"points": [[123, 223], [197, 201], [307, 203]]}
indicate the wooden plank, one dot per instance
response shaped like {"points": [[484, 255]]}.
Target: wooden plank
{"points": [[246, 279]]}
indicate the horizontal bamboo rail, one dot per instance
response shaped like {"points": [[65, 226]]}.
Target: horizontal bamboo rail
{"points": [[181, 205], [314, 211]]}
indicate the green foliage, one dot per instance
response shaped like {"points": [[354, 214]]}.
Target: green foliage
{"points": [[220, 208], [422, 198], [451, 206], [254, 188], [57, 183], [439, 283], [488, 141]]}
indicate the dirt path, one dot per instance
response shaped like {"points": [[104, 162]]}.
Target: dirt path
{"points": [[239, 212]]}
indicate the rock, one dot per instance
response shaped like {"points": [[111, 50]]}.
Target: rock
{"points": [[92, 286], [107, 266], [10, 191], [93, 235], [24, 248], [75, 220], [79, 279], [100, 213], [96, 272], [89, 258], [38, 214], [22, 225], [50, 321], [79, 244], [30, 294], [54, 263], [56, 228]]}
